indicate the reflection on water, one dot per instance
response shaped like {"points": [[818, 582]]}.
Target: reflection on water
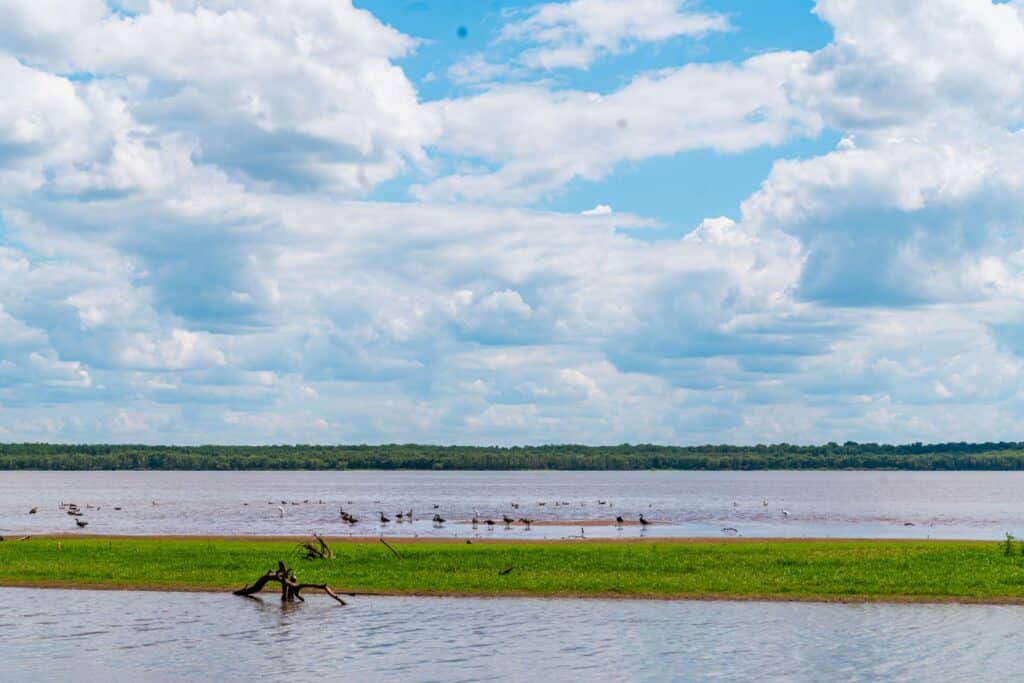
{"points": [[115, 636], [982, 505]]}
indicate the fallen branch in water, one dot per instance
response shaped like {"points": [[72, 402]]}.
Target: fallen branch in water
{"points": [[291, 589]]}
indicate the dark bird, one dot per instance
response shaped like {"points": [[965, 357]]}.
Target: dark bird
{"points": [[731, 529], [81, 523], [506, 570], [33, 511], [515, 505], [400, 516], [383, 519], [438, 519], [619, 520], [489, 523], [118, 508], [526, 522], [508, 520], [643, 521]]}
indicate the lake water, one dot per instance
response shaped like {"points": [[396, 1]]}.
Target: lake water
{"points": [[120, 636], [982, 505]]}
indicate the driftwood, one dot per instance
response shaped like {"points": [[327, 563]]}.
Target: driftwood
{"points": [[318, 551], [291, 589]]}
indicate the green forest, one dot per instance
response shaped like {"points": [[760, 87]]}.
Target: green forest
{"points": [[849, 455]]}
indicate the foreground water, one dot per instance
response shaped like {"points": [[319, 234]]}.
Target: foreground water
{"points": [[982, 505], [119, 636]]}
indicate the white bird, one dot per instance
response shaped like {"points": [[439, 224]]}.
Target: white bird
{"points": [[281, 510], [785, 513]]}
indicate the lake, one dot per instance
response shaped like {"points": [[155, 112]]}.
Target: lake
{"points": [[123, 636], [867, 504]]}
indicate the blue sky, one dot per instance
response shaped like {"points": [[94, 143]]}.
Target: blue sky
{"points": [[456, 221]]}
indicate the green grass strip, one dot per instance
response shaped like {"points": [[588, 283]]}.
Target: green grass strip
{"points": [[786, 570]]}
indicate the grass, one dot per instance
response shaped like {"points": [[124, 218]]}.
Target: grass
{"points": [[780, 570]]}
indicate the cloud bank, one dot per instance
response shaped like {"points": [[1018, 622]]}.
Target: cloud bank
{"points": [[196, 246]]}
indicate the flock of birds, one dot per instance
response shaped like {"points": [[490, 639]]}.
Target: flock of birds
{"points": [[407, 516]]}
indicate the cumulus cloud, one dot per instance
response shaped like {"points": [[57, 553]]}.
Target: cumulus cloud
{"points": [[274, 91]]}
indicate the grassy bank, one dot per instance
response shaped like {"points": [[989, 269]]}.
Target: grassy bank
{"points": [[785, 570]]}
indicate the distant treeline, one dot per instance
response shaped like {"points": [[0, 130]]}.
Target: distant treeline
{"points": [[850, 455]]}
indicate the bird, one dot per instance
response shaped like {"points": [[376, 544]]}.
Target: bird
{"points": [[408, 515], [281, 510], [438, 519], [764, 502], [81, 523], [515, 505], [619, 520], [489, 523], [643, 521], [526, 522], [731, 528], [508, 520], [117, 507], [785, 513], [33, 511], [400, 516], [383, 519], [476, 517]]}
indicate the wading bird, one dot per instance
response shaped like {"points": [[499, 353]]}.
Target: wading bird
{"points": [[281, 510], [643, 521], [81, 523], [383, 519], [619, 521], [508, 520], [785, 513], [33, 511]]}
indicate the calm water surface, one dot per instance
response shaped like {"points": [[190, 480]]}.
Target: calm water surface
{"points": [[983, 505], [120, 636]]}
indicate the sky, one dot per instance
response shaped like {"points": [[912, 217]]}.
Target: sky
{"points": [[482, 222]]}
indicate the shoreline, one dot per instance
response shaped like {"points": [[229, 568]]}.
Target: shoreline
{"points": [[271, 594], [458, 540]]}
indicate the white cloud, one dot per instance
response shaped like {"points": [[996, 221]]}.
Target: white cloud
{"points": [[541, 139], [575, 33]]}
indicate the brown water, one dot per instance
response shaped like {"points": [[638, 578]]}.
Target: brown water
{"points": [[982, 505], [116, 636]]}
